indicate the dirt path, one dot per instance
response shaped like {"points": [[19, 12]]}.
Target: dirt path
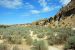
{"points": [[56, 47]]}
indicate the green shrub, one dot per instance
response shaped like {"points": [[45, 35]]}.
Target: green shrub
{"points": [[14, 39], [41, 35], [3, 47], [70, 44], [29, 40], [16, 48], [40, 45], [62, 35]]}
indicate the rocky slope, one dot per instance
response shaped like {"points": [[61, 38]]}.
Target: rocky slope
{"points": [[64, 18], [66, 11]]}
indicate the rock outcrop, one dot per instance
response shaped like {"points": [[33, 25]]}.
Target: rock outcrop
{"points": [[66, 15], [64, 18]]}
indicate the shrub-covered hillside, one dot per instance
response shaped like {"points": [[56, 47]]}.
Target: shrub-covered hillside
{"points": [[32, 35]]}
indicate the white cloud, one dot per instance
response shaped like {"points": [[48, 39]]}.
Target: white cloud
{"points": [[44, 10], [43, 3], [45, 6], [29, 6], [11, 3], [65, 2], [35, 11], [15, 4], [47, 9]]}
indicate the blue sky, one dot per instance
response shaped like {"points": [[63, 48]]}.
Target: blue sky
{"points": [[27, 11]]}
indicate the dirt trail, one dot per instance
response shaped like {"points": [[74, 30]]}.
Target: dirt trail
{"points": [[56, 47]]}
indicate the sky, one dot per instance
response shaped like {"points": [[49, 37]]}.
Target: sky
{"points": [[27, 11]]}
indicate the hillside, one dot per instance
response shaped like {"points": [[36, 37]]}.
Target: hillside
{"points": [[64, 18]]}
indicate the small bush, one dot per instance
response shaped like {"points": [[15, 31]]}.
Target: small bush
{"points": [[40, 45], [70, 44], [3, 47], [29, 40], [16, 48], [40, 35], [14, 40], [59, 36]]}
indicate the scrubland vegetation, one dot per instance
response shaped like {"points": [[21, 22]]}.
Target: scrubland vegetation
{"points": [[36, 37]]}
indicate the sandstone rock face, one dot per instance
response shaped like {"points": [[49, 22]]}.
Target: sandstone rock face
{"points": [[66, 11], [66, 15]]}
